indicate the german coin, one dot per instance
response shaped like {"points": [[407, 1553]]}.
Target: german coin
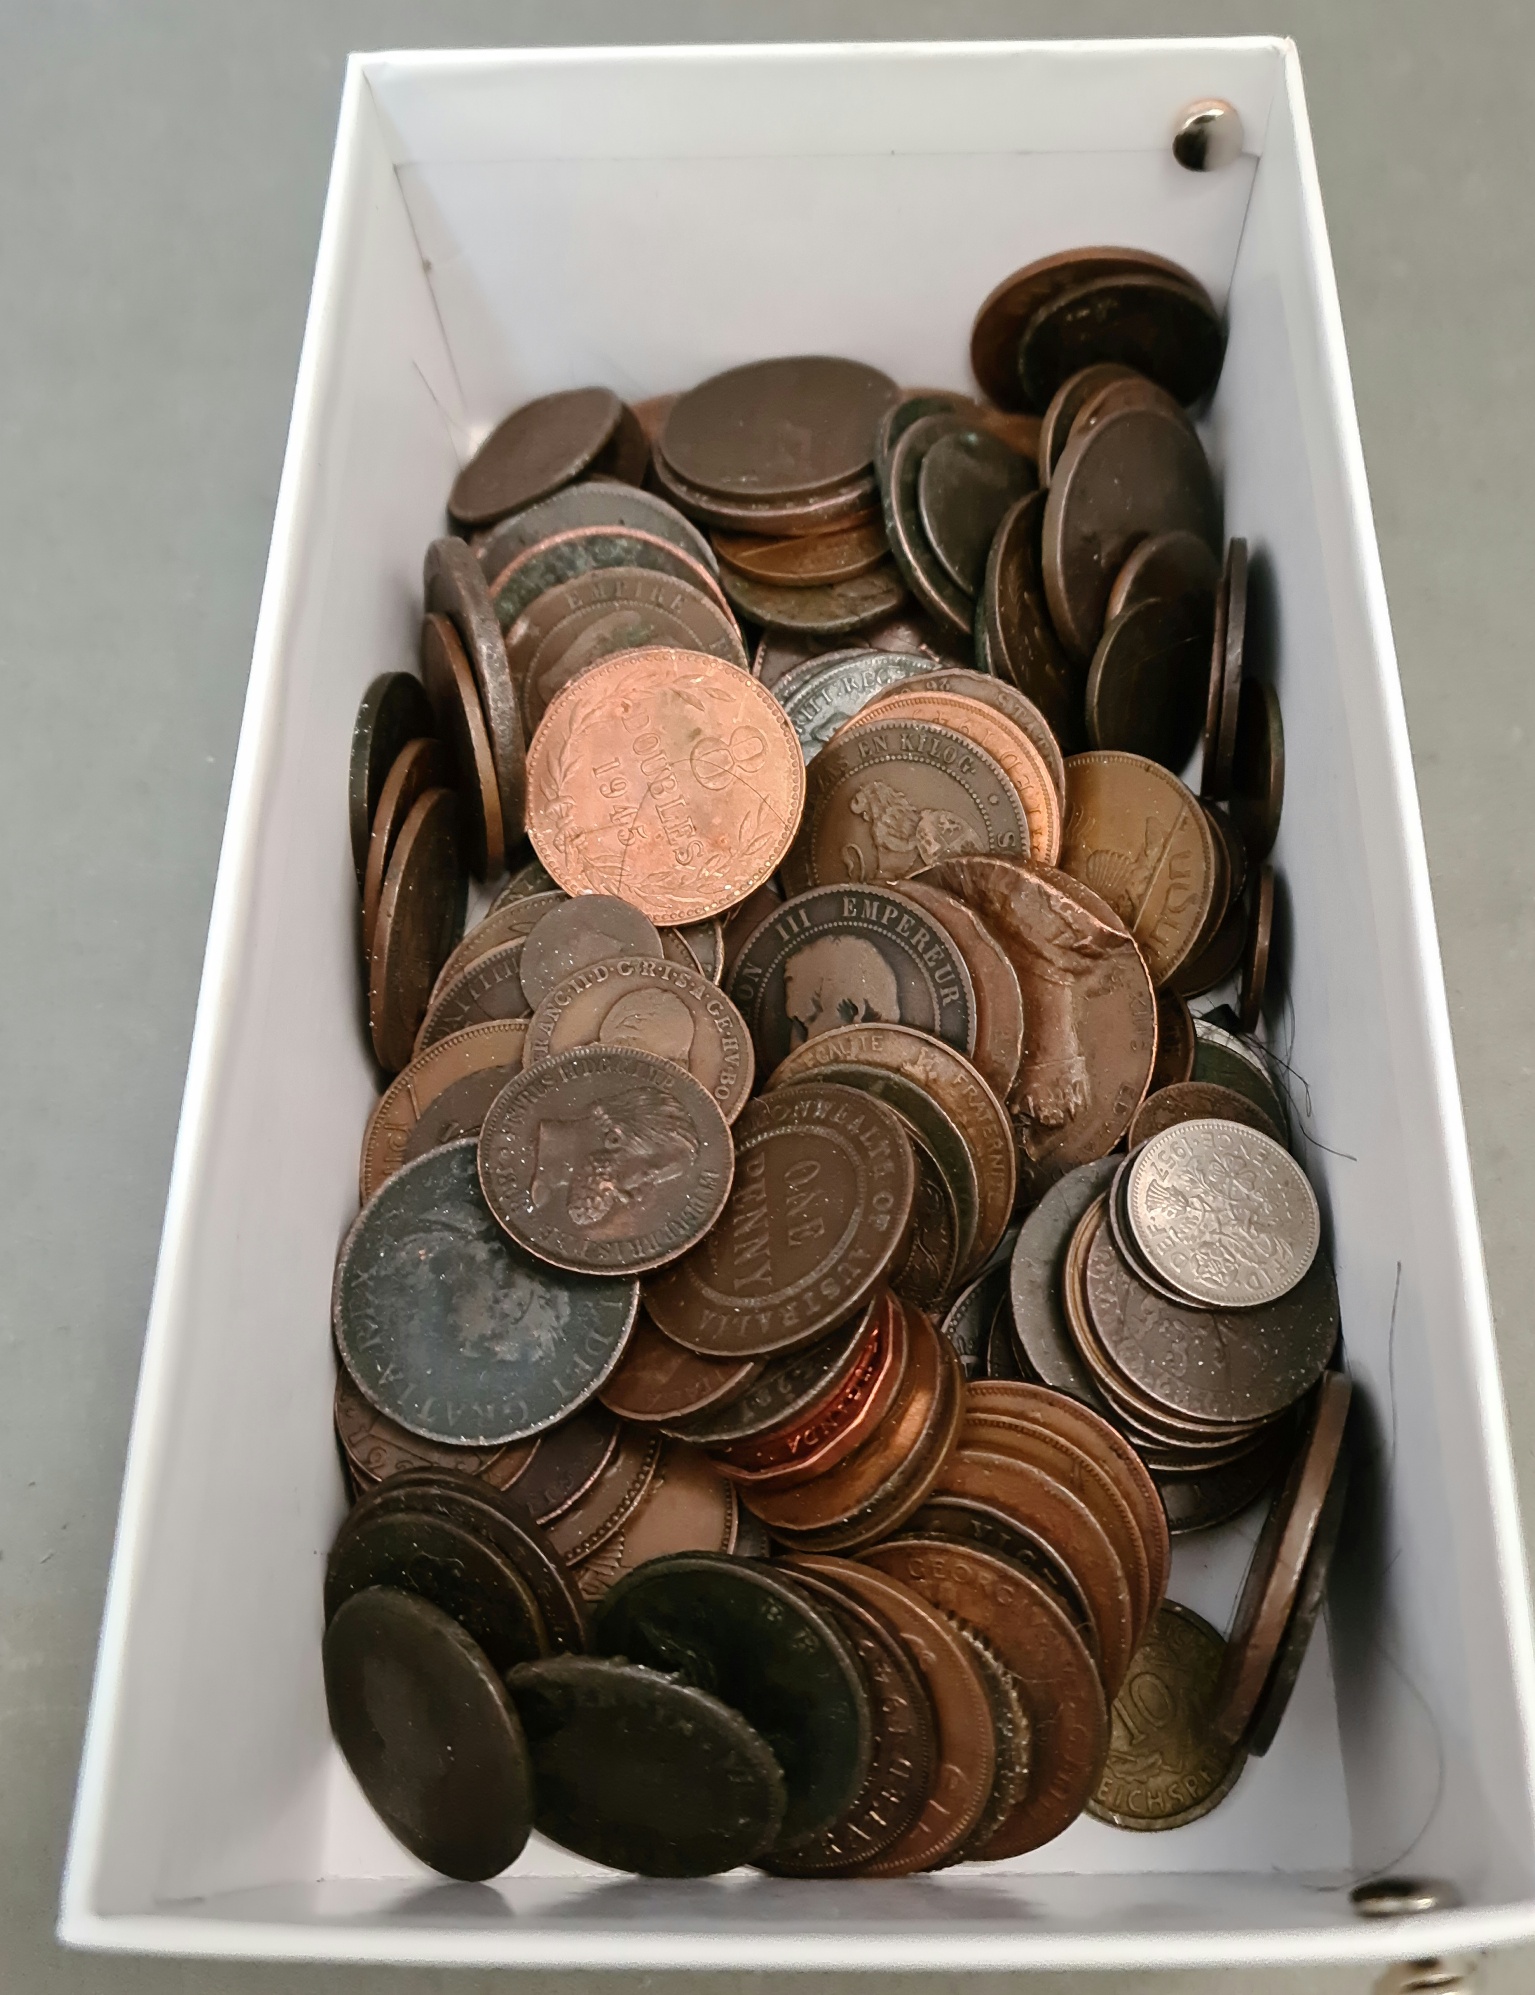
{"points": [[1164, 568], [934, 588], [593, 502], [538, 447], [1175, 1042], [420, 766], [454, 586], [1006, 699], [849, 956], [830, 608], [1011, 614], [1158, 325], [1223, 1213], [688, 1507], [637, 1770], [805, 560], [777, 429], [489, 988], [394, 711], [605, 1160], [484, 1056], [998, 999], [790, 1388], [1198, 1101], [823, 1192], [1066, 404], [965, 483], [451, 1330], [1165, 1766], [424, 1723], [1255, 956], [589, 928], [1146, 688], [567, 1460], [1038, 1311], [831, 693], [657, 1380], [1008, 745], [456, 703], [667, 778], [420, 915], [606, 1506], [1257, 774], [1309, 1596]]}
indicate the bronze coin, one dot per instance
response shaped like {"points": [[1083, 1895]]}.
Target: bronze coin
{"points": [[394, 712], [962, 1520], [1065, 405], [965, 1756], [854, 502], [1014, 1739], [1199, 1499], [625, 457], [777, 429], [1131, 391], [487, 988], [456, 702], [567, 1460], [823, 1193], [1165, 1768], [966, 481], [590, 928], [658, 1381], [1011, 616], [655, 1007], [379, 1447], [1002, 1353], [807, 560], [1309, 1597], [455, 587], [792, 1387], [925, 1274], [578, 551], [1006, 698], [742, 923], [1274, 1576], [668, 778], [938, 593], [1140, 471], [1257, 772], [1232, 627], [602, 612], [1213, 778], [512, 918], [1236, 852], [478, 1055], [827, 608], [593, 502], [915, 403], [537, 448], [651, 414], [1059, 1684], [688, 1507], [1160, 326], [1163, 567], [998, 1000], [1089, 1014], [607, 1505], [1198, 1101], [849, 955], [968, 1322], [605, 1160], [1215, 962], [421, 765], [1175, 1042], [1146, 687], [1000, 323], [421, 912]]}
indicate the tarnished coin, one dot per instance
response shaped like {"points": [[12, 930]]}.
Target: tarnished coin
{"points": [[377, 1447], [789, 1388], [697, 945], [593, 502], [451, 1330], [590, 928], [1257, 772], [602, 1509], [829, 608], [1011, 613], [889, 796], [998, 999], [823, 1192], [605, 1160], [1255, 954], [420, 766], [653, 1007], [805, 560], [966, 481], [488, 988], [454, 586], [566, 1462], [512, 918], [849, 504], [537, 448], [780, 652], [766, 1651], [394, 711], [455, 701], [1140, 471], [688, 1507], [658, 1381], [915, 403], [437, 1093], [820, 697], [635, 1769], [934, 588], [420, 915], [667, 777], [1198, 1101], [1066, 404], [1007, 700], [1175, 1042], [1146, 688], [1160, 326], [580, 550], [1003, 1359], [1232, 1061], [1164, 567], [967, 1325], [845, 956], [1309, 1597], [1223, 1213], [1014, 1739], [1165, 1766], [777, 429], [425, 1724], [1037, 1266], [1227, 660], [1198, 1499]]}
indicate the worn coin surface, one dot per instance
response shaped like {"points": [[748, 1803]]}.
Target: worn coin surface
{"points": [[1020, 643], [455, 702], [829, 607], [1198, 1499], [687, 1507], [668, 778], [1223, 1213], [377, 1447], [454, 586], [965, 483], [1146, 688], [1299, 1628], [1007, 700], [934, 588], [1009, 745], [1239, 1063], [967, 1325], [450, 1329], [609, 1501], [1159, 325], [538, 447], [580, 550], [1038, 1311], [792, 1387], [420, 915], [805, 560], [851, 503], [1175, 1042], [460, 1109], [1066, 404], [777, 429], [567, 1460], [488, 987], [589, 928], [635, 1769], [1198, 1101], [430, 1092], [1163, 567], [909, 630], [1010, 1724], [819, 697], [512, 918], [394, 711], [420, 766], [1165, 1765], [592, 502]]}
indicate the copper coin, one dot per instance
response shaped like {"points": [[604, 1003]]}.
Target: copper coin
{"points": [[1158, 325], [380, 1447], [1216, 782], [954, 1086], [611, 1500], [456, 702], [658, 1381], [1198, 1101], [1221, 896], [1065, 405], [803, 561], [1278, 1562], [580, 550], [1215, 962], [1002, 318], [915, 403], [938, 593], [821, 696], [522, 883], [512, 918], [602, 612], [625, 457], [743, 921], [1257, 774], [421, 912], [1146, 687], [483, 1054], [489, 987], [1060, 1686], [1213, 778], [697, 945], [651, 414], [656, 1007], [823, 1193], [777, 429], [1175, 1042], [420, 766], [963, 1520], [998, 1000], [538, 447], [668, 778], [1163, 567], [1236, 852], [965, 1756], [1301, 1625], [590, 928], [567, 1460], [593, 502], [1089, 1015], [1199, 1500], [1014, 1737], [1012, 618], [688, 1507], [455, 587], [779, 652], [1255, 956], [849, 955], [968, 1322], [605, 1160], [394, 711], [966, 482], [852, 503], [1140, 471], [1165, 1767], [1007, 700], [926, 1273], [828, 608], [787, 1388]]}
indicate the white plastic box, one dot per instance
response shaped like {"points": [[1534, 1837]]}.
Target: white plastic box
{"points": [[500, 225]]}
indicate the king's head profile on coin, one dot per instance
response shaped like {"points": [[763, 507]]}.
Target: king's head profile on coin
{"points": [[607, 1161], [838, 980], [653, 1021]]}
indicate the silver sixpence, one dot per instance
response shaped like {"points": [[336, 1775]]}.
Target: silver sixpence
{"points": [[1223, 1213], [819, 703]]}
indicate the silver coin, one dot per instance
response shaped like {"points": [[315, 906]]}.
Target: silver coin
{"points": [[1223, 1213], [819, 703]]}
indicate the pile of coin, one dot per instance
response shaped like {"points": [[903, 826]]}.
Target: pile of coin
{"points": [[811, 1260]]}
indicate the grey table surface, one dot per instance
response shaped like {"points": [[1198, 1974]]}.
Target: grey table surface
{"points": [[164, 168]]}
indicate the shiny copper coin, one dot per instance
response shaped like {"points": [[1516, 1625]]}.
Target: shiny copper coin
{"points": [[1013, 628], [829, 608], [611, 1500], [1159, 325], [455, 586], [804, 561], [1068, 401], [455, 701], [1175, 1042], [777, 428], [658, 1381], [998, 1000], [590, 928], [824, 1185], [420, 766], [379, 1447], [538, 447], [1255, 956], [966, 482], [1146, 687], [481, 1059], [593, 502], [394, 711], [668, 778], [1257, 774], [421, 912], [1198, 1101], [488, 988], [1165, 1767], [1163, 567], [687, 1507], [580, 550]]}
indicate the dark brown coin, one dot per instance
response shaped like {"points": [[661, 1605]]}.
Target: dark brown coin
{"points": [[1002, 1353], [523, 882], [806, 560], [625, 458], [394, 711], [541, 446], [852, 503], [915, 403], [426, 1726], [1310, 1594], [925, 1274], [1022, 647], [567, 1461], [849, 956], [1146, 688], [462, 1106], [688, 1507], [456, 703], [640, 1771], [593, 502], [455, 587], [998, 1000], [605, 1160], [421, 913], [1165, 1768], [1257, 773], [590, 928], [1199, 1500], [1214, 778], [743, 921], [1255, 955], [487, 988], [1175, 1042], [697, 945], [1038, 1261], [377, 1447], [1236, 1062], [777, 429], [1163, 567], [934, 588], [968, 1323], [787, 1389], [1158, 325], [659, 1381], [1214, 961], [602, 1510], [512, 918], [420, 766], [1196, 1101], [1066, 404], [453, 1331], [829, 608], [966, 481], [1232, 635], [780, 652], [823, 1194], [579, 551], [1140, 471]]}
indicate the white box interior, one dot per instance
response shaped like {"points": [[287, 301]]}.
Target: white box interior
{"points": [[503, 225]]}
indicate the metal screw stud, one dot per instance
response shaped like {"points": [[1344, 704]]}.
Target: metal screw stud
{"points": [[1209, 135], [1399, 1897], [1427, 1977]]}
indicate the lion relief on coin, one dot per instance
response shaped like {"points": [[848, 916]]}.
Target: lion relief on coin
{"points": [[906, 836]]}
